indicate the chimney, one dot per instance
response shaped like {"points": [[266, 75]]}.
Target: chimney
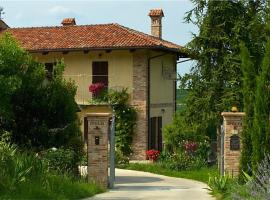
{"points": [[156, 22], [68, 22]]}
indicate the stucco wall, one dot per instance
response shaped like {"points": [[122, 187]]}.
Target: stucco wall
{"points": [[79, 69], [162, 89]]}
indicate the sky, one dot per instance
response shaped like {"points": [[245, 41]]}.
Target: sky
{"points": [[130, 13]]}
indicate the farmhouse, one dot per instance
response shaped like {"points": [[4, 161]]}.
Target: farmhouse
{"points": [[119, 57]]}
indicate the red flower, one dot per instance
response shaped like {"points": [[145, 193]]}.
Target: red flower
{"points": [[190, 147], [153, 154], [96, 88]]}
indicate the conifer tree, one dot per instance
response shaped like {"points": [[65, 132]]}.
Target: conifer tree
{"points": [[261, 134]]}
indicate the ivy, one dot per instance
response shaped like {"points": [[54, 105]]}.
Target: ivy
{"points": [[126, 118]]}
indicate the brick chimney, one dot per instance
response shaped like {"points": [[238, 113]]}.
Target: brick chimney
{"points": [[68, 22], [156, 22]]}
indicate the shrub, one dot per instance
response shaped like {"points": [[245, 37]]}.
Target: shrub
{"points": [[181, 161], [219, 184], [259, 186], [24, 176], [61, 160]]}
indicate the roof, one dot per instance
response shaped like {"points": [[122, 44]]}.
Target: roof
{"points": [[87, 37], [156, 13]]}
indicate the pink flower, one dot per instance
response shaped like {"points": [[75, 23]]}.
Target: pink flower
{"points": [[96, 88]]}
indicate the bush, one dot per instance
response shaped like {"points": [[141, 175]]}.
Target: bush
{"points": [[24, 176], [61, 160], [181, 161], [257, 187], [219, 184]]}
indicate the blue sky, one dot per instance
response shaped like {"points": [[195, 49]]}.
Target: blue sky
{"points": [[133, 14]]}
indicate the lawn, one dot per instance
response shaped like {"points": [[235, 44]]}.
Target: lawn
{"points": [[198, 174]]}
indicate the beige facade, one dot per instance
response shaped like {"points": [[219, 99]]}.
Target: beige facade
{"points": [[126, 69]]}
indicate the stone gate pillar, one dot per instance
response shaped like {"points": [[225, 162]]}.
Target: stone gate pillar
{"points": [[97, 148], [231, 137]]}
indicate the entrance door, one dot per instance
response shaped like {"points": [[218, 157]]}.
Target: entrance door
{"points": [[155, 135], [100, 72]]}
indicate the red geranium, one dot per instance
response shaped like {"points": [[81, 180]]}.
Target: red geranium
{"points": [[96, 88], [153, 154]]}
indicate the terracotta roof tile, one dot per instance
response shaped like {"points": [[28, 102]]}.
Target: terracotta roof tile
{"points": [[156, 12], [102, 36]]}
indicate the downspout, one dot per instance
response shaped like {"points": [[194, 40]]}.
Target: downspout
{"points": [[148, 92]]}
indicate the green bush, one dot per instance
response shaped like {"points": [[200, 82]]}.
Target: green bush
{"points": [[181, 161], [61, 160], [219, 184]]}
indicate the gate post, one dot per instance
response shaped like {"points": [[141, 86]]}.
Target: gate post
{"points": [[97, 148], [232, 122]]}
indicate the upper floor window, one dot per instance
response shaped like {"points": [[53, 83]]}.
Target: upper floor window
{"points": [[49, 70], [100, 72]]}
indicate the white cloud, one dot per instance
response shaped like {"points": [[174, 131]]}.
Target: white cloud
{"points": [[59, 10]]}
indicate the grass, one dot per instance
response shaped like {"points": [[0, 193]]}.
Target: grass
{"points": [[199, 175], [57, 187]]}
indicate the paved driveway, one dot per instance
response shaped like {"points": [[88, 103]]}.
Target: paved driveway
{"points": [[135, 185]]}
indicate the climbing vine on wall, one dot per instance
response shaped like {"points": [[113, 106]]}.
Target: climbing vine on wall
{"points": [[126, 118]]}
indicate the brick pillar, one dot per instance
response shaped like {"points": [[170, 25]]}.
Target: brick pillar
{"points": [[140, 102], [97, 148], [232, 141]]}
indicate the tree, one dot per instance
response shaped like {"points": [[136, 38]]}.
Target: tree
{"points": [[261, 134], [249, 84], [215, 81], [40, 114]]}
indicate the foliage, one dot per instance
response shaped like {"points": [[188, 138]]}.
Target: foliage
{"points": [[261, 133], [153, 154], [180, 131], [215, 81], [125, 120], [61, 160], [181, 161], [24, 176], [219, 184], [38, 113], [198, 174], [249, 83], [258, 186]]}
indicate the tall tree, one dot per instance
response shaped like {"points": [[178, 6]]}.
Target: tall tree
{"points": [[261, 134], [249, 84]]}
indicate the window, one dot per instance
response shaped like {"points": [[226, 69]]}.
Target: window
{"points": [[49, 70], [100, 72], [155, 135]]}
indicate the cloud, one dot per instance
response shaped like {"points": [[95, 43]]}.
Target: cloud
{"points": [[59, 10]]}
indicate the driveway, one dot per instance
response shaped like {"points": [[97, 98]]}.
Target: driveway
{"points": [[135, 185]]}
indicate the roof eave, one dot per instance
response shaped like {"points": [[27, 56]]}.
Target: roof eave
{"points": [[175, 50]]}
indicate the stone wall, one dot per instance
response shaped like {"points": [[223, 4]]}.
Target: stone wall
{"points": [[140, 102], [232, 131]]}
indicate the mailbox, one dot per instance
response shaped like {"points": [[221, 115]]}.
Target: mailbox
{"points": [[234, 143]]}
